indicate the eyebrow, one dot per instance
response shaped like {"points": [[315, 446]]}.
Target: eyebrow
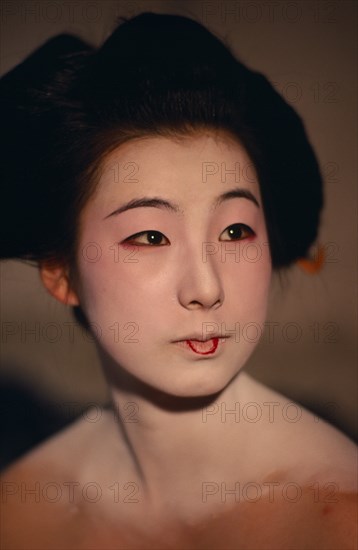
{"points": [[158, 202]]}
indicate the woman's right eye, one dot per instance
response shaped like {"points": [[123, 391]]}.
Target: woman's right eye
{"points": [[146, 238]]}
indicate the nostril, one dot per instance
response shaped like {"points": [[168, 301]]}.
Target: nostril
{"points": [[196, 304]]}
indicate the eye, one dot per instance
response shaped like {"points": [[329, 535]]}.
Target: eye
{"points": [[147, 238], [238, 232]]}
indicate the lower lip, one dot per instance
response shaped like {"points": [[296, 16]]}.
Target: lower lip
{"points": [[202, 348]]}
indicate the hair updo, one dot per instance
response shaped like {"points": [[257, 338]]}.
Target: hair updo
{"points": [[68, 105]]}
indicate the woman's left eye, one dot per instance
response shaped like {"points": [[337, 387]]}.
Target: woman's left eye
{"points": [[147, 238], [238, 231]]}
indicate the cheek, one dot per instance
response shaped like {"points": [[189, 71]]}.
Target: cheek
{"points": [[248, 282], [119, 289]]}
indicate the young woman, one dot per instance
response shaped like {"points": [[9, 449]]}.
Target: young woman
{"points": [[117, 162]]}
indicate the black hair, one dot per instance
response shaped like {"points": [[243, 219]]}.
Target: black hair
{"points": [[69, 104]]}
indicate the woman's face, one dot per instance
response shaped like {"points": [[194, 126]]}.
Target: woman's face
{"points": [[189, 261]]}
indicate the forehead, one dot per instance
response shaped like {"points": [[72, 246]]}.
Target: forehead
{"points": [[184, 168]]}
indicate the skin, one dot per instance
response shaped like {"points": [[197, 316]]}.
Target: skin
{"points": [[177, 288], [173, 449]]}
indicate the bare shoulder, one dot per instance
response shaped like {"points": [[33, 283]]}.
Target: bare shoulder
{"points": [[279, 523], [39, 491], [53, 453], [307, 446]]}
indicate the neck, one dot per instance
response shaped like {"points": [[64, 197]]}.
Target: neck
{"points": [[177, 445]]}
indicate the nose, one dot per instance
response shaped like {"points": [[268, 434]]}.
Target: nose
{"points": [[200, 285]]}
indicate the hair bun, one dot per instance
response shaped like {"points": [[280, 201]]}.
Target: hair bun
{"points": [[30, 97], [67, 105]]}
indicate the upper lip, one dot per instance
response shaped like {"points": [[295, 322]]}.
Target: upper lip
{"points": [[199, 336]]}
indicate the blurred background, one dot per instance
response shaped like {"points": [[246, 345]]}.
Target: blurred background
{"points": [[50, 371]]}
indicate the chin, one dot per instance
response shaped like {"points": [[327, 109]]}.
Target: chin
{"points": [[205, 385], [180, 399], [182, 381]]}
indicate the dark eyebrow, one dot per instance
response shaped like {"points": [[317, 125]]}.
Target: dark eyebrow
{"points": [[237, 193], [157, 202]]}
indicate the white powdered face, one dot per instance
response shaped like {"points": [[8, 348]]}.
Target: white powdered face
{"points": [[153, 275]]}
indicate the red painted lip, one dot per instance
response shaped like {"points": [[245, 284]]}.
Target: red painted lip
{"points": [[215, 343], [194, 345]]}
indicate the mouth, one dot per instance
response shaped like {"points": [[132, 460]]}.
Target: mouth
{"points": [[202, 347]]}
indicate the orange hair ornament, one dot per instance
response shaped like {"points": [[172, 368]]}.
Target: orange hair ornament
{"points": [[314, 263]]}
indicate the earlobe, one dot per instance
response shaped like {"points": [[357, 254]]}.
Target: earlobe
{"points": [[57, 283]]}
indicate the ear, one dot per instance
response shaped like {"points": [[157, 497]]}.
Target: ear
{"points": [[56, 280]]}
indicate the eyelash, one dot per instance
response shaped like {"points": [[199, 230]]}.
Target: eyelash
{"points": [[241, 226]]}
